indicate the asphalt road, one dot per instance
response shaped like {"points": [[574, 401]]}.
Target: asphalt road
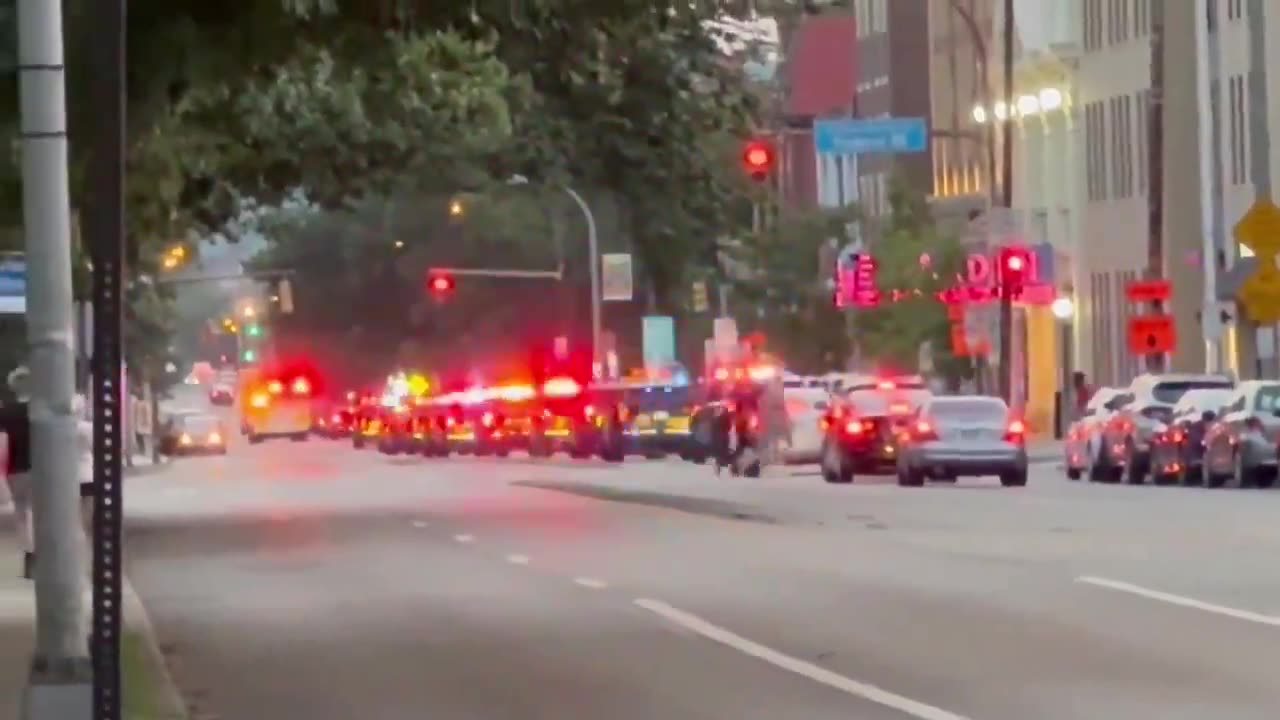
{"points": [[313, 581]]}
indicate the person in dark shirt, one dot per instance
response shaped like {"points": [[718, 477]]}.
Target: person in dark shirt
{"points": [[15, 423]]}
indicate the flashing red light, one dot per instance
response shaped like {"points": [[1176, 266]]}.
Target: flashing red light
{"points": [[853, 427], [441, 283], [925, 431], [561, 387], [301, 386], [721, 374], [757, 159], [1017, 432], [589, 411], [887, 385], [275, 387]]}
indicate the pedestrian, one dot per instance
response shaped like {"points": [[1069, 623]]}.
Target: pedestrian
{"points": [[15, 423]]}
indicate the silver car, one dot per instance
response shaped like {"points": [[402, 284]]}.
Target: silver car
{"points": [[969, 435]]}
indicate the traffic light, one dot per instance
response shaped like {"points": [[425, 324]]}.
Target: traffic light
{"points": [[285, 292], [253, 330], [1015, 270], [700, 303], [758, 159], [249, 356], [440, 283]]}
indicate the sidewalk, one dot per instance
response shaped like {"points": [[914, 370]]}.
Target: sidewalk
{"points": [[141, 659]]}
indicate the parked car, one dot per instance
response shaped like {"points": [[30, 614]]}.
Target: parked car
{"points": [[1126, 448], [1178, 451], [1240, 445], [1083, 440]]}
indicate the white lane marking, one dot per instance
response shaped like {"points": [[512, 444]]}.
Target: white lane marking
{"points": [[464, 538], [1181, 600], [419, 523], [518, 559], [800, 667], [592, 583]]}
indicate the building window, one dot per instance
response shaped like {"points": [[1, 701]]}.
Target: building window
{"points": [[1142, 17], [1238, 129], [1122, 20], [1235, 9], [1111, 22], [1211, 15], [837, 180], [1142, 128], [1091, 30], [1096, 151]]}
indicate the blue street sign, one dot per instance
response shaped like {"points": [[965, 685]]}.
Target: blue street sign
{"points": [[13, 278], [888, 135]]}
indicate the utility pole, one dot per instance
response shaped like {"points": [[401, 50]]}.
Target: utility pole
{"points": [[61, 678], [1155, 167], [1259, 118], [106, 221], [1006, 148], [1209, 205]]}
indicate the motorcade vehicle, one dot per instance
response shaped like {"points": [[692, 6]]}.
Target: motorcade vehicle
{"points": [[1240, 444], [963, 436], [222, 395], [277, 403], [658, 421], [807, 404], [1127, 435], [862, 426], [1177, 452], [193, 434], [1083, 439]]}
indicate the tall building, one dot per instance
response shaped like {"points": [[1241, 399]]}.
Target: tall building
{"points": [[893, 81], [964, 72]]}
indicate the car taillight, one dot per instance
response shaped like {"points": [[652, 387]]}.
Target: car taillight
{"points": [[924, 431], [1177, 436], [215, 439], [487, 419], [301, 387], [589, 411], [853, 427], [1016, 432], [185, 439]]}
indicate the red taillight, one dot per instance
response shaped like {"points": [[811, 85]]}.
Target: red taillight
{"points": [[753, 422], [487, 419], [924, 431], [561, 387], [853, 427], [1016, 433], [589, 411], [886, 385]]}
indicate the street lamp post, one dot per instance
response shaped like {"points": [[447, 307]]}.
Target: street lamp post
{"points": [[1064, 309], [593, 249]]}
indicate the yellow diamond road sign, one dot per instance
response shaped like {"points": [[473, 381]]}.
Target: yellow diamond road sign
{"points": [[1259, 230]]}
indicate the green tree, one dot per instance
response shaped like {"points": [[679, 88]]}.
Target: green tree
{"points": [[916, 261]]}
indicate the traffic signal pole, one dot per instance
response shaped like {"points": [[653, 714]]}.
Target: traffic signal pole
{"points": [[1006, 148], [1155, 169]]}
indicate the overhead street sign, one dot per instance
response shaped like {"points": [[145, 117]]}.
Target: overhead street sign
{"points": [[853, 137], [1259, 230]]}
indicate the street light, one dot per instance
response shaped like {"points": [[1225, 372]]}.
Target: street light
{"points": [[593, 248], [1064, 309], [456, 208]]}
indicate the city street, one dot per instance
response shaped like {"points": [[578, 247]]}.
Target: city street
{"points": [[314, 581]]}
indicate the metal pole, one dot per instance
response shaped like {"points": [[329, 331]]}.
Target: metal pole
{"points": [[106, 222], [1209, 320], [1068, 406], [1259, 117], [593, 244], [1155, 166], [1006, 148], [61, 675]]}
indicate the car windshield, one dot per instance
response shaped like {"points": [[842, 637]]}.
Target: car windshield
{"points": [[1197, 401], [199, 424], [881, 402], [969, 410], [1172, 392], [1268, 399]]}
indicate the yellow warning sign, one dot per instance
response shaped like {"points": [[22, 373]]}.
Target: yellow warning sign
{"points": [[1259, 230]]}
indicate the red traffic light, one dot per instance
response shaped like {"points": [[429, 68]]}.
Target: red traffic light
{"points": [[757, 159], [1016, 268], [441, 283]]}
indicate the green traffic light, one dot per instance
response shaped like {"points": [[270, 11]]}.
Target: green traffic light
{"points": [[254, 330], [250, 356]]}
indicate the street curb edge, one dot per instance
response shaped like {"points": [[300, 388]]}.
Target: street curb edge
{"points": [[136, 616]]}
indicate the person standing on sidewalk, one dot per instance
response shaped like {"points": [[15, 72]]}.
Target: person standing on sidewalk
{"points": [[16, 425]]}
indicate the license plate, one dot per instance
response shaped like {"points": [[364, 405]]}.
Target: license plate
{"points": [[679, 424], [972, 434]]}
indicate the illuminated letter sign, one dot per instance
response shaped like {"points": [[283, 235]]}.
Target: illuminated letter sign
{"points": [[856, 283]]}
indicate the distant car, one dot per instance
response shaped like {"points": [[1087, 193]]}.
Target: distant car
{"points": [[1177, 453], [967, 435], [1240, 445], [192, 434], [862, 423], [222, 395], [1127, 436]]}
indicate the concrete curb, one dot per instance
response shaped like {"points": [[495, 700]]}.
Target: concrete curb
{"points": [[136, 618]]}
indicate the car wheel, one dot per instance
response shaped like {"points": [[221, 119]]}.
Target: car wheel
{"points": [[1014, 479], [1245, 477], [910, 477], [834, 467], [1073, 473]]}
